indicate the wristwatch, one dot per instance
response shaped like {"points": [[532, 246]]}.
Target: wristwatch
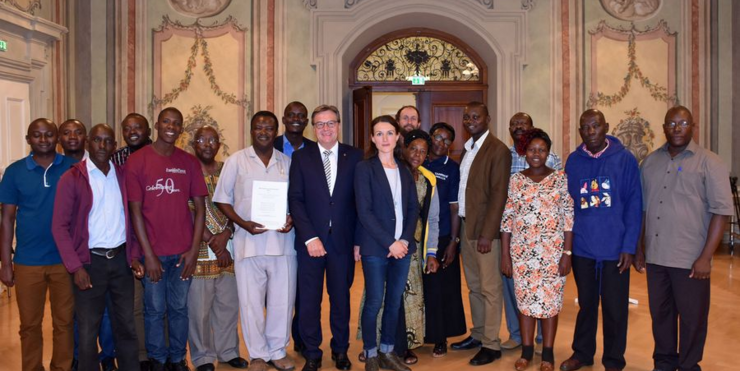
{"points": [[230, 229], [457, 239], [568, 252]]}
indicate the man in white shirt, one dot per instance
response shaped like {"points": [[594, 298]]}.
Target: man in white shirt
{"points": [[264, 260], [92, 231]]}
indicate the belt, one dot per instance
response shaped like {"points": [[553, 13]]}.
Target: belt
{"points": [[108, 253]]}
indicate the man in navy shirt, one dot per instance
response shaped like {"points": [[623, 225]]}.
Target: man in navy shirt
{"points": [[27, 193]]}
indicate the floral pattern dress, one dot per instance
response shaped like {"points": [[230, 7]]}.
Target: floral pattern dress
{"points": [[537, 215]]}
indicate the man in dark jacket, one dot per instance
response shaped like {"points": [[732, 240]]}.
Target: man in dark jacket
{"points": [[92, 231], [604, 181]]}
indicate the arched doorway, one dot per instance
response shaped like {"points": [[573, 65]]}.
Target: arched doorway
{"points": [[452, 75]]}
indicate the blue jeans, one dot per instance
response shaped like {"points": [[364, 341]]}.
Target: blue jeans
{"points": [[107, 346], [168, 296], [512, 313], [385, 281]]}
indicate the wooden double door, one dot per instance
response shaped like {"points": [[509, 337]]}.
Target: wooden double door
{"points": [[434, 106]]}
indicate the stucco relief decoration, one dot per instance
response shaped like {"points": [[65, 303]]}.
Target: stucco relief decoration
{"points": [[635, 133], [196, 87], [631, 10], [310, 4], [28, 6], [642, 93], [198, 117], [417, 55], [199, 8]]}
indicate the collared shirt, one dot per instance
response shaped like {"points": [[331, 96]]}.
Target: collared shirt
{"points": [[288, 148], [332, 162], [106, 223], [597, 154], [119, 157], [32, 189], [680, 195], [519, 163], [471, 149], [447, 173], [235, 188]]}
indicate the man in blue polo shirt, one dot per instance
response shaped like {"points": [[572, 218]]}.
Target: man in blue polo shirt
{"points": [[27, 193]]}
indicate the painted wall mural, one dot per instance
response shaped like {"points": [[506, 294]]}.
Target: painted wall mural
{"points": [[200, 69], [638, 94], [631, 10], [199, 8]]}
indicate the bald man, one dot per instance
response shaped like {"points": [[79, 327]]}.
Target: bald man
{"points": [[27, 192], [91, 197], [686, 205]]}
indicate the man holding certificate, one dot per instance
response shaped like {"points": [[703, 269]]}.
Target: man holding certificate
{"points": [[322, 202], [252, 193]]}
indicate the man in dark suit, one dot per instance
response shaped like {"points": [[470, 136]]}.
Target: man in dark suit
{"points": [[322, 203], [484, 183], [295, 119]]}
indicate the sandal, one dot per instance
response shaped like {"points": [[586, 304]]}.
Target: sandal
{"points": [[410, 357], [440, 350]]}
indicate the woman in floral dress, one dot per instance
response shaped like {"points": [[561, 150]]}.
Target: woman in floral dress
{"points": [[536, 244]]}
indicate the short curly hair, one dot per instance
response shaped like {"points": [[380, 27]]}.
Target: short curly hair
{"points": [[528, 137]]}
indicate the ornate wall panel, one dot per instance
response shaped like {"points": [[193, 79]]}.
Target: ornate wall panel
{"points": [[633, 81], [199, 69]]}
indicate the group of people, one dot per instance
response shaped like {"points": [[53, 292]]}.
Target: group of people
{"points": [[148, 250]]}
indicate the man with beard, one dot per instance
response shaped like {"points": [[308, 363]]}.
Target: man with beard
{"points": [[518, 124], [72, 136], [295, 119], [27, 193], [408, 119], [264, 260], [94, 237], [161, 179]]}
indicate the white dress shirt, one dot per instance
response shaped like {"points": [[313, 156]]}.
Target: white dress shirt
{"points": [[106, 223], [333, 162], [235, 188], [467, 161]]}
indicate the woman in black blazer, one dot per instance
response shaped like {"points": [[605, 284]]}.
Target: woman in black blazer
{"points": [[388, 209]]}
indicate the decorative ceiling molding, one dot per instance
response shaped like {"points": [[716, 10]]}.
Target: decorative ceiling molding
{"points": [[487, 3], [311, 4], [350, 3], [528, 4], [198, 25], [30, 8], [199, 9], [662, 25]]}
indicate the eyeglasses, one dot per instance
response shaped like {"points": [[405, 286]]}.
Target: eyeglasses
{"points": [[209, 141], [321, 124], [442, 139], [673, 125]]}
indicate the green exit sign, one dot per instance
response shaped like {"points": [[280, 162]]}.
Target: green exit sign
{"points": [[418, 80], [3, 45]]}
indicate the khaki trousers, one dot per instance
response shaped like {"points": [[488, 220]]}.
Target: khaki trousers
{"points": [[483, 274], [32, 283]]}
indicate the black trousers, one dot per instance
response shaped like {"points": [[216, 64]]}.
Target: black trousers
{"points": [[675, 298], [601, 283], [443, 304], [111, 277], [340, 271]]}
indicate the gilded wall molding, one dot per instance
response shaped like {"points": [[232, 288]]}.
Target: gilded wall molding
{"points": [[30, 8]]}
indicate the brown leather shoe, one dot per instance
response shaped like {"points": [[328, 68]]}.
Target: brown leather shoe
{"points": [[546, 366], [571, 364], [521, 364]]}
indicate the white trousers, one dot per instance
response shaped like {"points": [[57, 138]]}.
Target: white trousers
{"points": [[266, 287]]}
